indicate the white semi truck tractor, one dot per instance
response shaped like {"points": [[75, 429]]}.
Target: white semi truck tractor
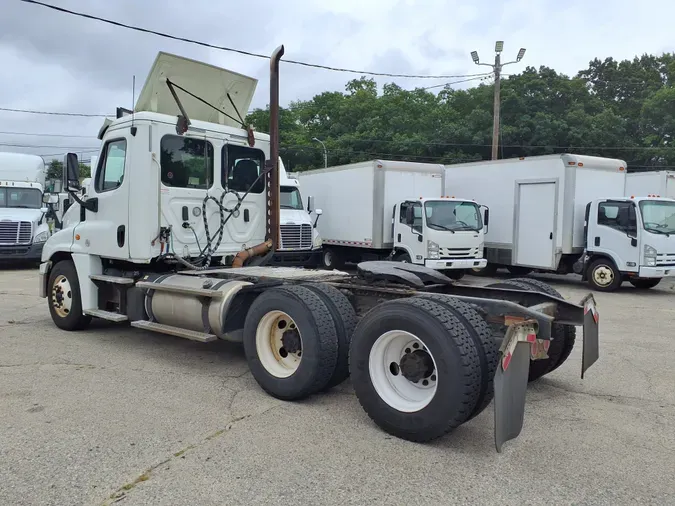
{"points": [[421, 349]]}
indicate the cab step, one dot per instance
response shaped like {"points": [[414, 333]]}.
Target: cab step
{"points": [[106, 315], [115, 280], [166, 287], [174, 331]]}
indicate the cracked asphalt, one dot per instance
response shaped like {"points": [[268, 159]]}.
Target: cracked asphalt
{"points": [[115, 414]]}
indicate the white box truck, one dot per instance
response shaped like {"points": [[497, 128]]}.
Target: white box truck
{"points": [[656, 183], [567, 213], [23, 224], [382, 209]]}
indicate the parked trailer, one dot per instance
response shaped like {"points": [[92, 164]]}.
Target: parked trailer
{"points": [[383, 209], [425, 354], [657, 183], [567, 213]]}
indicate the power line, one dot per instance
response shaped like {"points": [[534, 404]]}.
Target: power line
{"points": [[477, 78], [239, 51], [11, 145], [49, 135], [28, 111]]}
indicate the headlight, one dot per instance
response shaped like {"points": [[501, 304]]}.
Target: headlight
{"points": [[650, 256], [433, 250], [481, 249], [42, 236], [317, 241]]}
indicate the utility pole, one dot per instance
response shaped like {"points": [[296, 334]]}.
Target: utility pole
{"points": [[325, 153], [497, 70]]}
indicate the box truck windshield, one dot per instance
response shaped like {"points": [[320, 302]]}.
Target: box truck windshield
{"points": [[25, 198], [453, 216], [658, 216], [290, 198]]}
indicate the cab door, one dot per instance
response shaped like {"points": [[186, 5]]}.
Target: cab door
{"points": [[105, 232], [613, 231]]}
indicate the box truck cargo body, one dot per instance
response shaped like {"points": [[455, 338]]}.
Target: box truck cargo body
{"points": [[642, 184], [563, 213], [396, 210]]}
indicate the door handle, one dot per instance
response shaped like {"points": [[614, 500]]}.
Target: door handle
{"points": [[597, 241], [120, 236], [550, 236], [246, 218], [398, 238]]}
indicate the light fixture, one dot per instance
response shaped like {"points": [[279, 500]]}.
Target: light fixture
{"points": [[521, 53], [474, 56], [499, 46]]}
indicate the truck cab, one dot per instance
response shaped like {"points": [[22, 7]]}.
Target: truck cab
{"points": [[23, 222], [445, 234], [629, 239], [300, 241]]}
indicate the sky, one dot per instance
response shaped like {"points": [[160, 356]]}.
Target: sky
{"points": [[59, 62]]}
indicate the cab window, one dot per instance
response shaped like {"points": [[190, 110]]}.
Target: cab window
{"points": [[186, 162], [241, 168], [110, 172]]}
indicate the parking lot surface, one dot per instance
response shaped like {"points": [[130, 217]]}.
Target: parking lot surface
{"points": [[119, 414]]}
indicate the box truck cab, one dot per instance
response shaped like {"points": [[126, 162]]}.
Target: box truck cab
{"points": [[23, 224], [629, 239], [392, 210], [300, 241], [659, 183]]}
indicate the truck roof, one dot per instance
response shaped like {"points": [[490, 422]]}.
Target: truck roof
{"points": [[21, 167], [386, 165], [592, 162]]}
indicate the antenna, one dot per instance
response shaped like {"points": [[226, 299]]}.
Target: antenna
{"points": [[133, 101]]}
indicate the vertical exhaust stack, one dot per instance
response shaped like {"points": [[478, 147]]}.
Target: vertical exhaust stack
{"points": [[273, 176]]}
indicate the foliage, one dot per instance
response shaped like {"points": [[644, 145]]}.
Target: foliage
{"points": [[615, 109], [55, 170]]}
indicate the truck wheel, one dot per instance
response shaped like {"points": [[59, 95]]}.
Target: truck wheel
{"points": [[331, 259], [415, 369], [403, 257], [488, 270], [290, 342], [644, 284], [603, 275], [570, 331], [345, 320], [65, 302], [517, 270], [539, 368], [455, 274], [488, 349]]}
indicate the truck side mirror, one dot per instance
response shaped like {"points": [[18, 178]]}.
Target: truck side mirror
{"points": [[310, 204], [71, 168], [410, 216], [319, 212], [486, 219]]}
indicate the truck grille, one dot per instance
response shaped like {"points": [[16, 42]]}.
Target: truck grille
{"points": [[294, 237], [665, 260], [458, 252], [15, 232]]}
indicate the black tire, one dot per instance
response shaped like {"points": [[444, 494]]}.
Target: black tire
{"points": [[331, 259], [69, 319], [318, 335], [488, 348], [570, 331], [608, 266], [517, 270], [457, 366], [644, 284], [402, 257], [345, 320], [539, 368], [455, 274]]}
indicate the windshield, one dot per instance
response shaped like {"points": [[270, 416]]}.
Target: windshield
{"points": [[658, 216], [450, 215], [290, 198], [26, 198]]}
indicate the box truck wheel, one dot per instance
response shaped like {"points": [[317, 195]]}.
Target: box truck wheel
{"points": [[415, 368], [345, 320], [332, 259], [539, 368], [517, 270], [603, 275], [644, 284], [290, 342], [402, 256], [480, 332], [65, 302], [570, 331], [488, 270]]}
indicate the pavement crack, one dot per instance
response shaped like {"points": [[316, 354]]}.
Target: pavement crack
{"points": [[121, 492]]}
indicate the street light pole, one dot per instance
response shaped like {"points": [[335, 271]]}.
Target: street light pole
{"points": [[325, 153], [497, 69]]}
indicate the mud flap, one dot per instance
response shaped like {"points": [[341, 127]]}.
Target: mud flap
{"points": [[510, 381], [591, 349]]}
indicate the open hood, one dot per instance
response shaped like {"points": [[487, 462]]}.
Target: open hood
{"points": [[208, 82]]}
